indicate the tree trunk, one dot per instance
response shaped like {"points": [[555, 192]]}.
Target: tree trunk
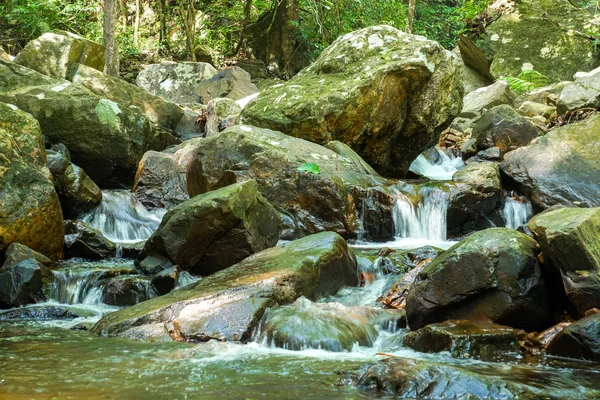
{"points": [[123, 10], [247, 11], [162, 32], [136, 25], [188, 17], [111, 63], [411, 15]]}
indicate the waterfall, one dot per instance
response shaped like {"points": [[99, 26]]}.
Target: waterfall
{"points": [[427, 221], [517, 210], [122, 219], [440, 167]]}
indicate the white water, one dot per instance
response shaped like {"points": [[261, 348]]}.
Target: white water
{"points": [[441, 169], [121, 219], [426, 221], [517, 210]]}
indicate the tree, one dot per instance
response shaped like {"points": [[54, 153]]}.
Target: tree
{"points": [[187, 13], [411, 15], [111, 63]]}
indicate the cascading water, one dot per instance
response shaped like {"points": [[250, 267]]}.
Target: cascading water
{"points": [[426, 221], [517, 210], [440, 167]]}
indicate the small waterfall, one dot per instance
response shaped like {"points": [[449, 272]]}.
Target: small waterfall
{"points": [[517, 210], [427, 221], [122, 219], [76, 286], [360, 233], [439, 165]]}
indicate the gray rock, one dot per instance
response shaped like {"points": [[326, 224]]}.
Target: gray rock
{"points": [[232, 82], [217, 111], [581, 340], [485, 98], [583, 93], [83, 241], [21, 284]]}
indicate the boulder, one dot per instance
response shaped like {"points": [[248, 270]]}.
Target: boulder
{"points": [[21, 284], [581, 339], [464, 339], [256, 68], [217, 111], [504, 128], [30, 211], [107, 141], [554, 31], [214, 230], [76, 191], [83, 241], [163, 282], [229, 304], [583, 93], [385, 93], [40, 313], [192, 124], [532, 109], [485, 98], [570, 241], [175, 82], [127, 95], [125, 291], [53, 54], [562, 167], [504, 283], [309, 202], [16, 252], [231, 82]]}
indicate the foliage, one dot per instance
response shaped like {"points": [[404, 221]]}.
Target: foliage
{"points": [[310, 168], [526, 81]]}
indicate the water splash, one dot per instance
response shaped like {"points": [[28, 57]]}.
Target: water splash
{"points": [[426, 221], [122, 219], [440, 167], [517, 210]]}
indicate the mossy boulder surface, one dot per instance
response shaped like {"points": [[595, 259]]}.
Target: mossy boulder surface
{"points": [[385, 93], [314, 266], [562, 167], [53, 54], [104, 139], [570, 240], [30, 211]]}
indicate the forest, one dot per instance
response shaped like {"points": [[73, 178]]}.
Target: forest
{"points": [[299, 199]]}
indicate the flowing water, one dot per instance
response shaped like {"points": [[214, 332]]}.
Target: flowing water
{"points": [[441, 166], [517, 210]]}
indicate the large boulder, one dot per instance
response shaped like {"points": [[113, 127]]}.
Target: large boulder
{"points": [[21, 284], [485, 98], [127, 95], [30, 211], [16, 252], [570, 241], [229, 304], [175, 82], [215, 230], [554, 34], [583, 93], [107, 141], [493, 275], [231, 83], [76, 191], [53, 54], [309, 202], [385, 93], [562, 167], [581, 339], [83, 241]]}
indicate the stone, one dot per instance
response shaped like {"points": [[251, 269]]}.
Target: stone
{"points": [[175, 82], [125, 291], [504, 128], [83, 241], [217, 110], [570, 241], [127, 95], [309, 203], [485, 98], [229, 304], [464, 339], [232, 83], [533, 109], [385, 93], [214, 230], [584, 92], [192, 124], [21, 284], [53, 54], [560, 168], [30, 212], [39, 313], [164, 281], [504, 285], [256, 68], [16, 252], [107, 141], [581, 340], [76, 190]]}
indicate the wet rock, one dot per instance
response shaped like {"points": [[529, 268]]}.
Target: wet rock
{"points": [[83, 241], [127, 95], [131, 250], [504, 128], [30, 211], [107, 141], [217, 110], [76, 190], [308, 202], [563, 167], [21, 284], [39, 312], [504, 283], [126, 291], [16, 252], [215, 230], [584, 92], [385, 93], [314, 266], [464, 339], [53, 54], [491, 154], [164, 281], [581, 339], [231, 82], [408, 378], [175, 82], [486, 98], [570, 241], [546, 337]]}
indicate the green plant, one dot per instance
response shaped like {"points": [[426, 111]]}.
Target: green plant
{"points": [[311, 168], [526, 81]]}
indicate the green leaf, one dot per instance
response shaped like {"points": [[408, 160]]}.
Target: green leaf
{"points": [[310, 167]]}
